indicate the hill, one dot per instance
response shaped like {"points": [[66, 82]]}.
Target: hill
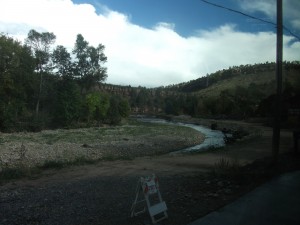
{"points": [[242, 75], [264, 80], [238, 92]]}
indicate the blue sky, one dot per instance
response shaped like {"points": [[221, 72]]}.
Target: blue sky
{"points": [[187, 16], [192, 15], [160, 42]]}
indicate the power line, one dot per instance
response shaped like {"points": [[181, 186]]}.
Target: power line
{"points": [[252, 17], [291, 33]]}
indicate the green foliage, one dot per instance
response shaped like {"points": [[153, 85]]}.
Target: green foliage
{"points": [[56, 164], [40, 44], [11, 173], [16, 76], [171, 106], [118, 109], [96, 105], [62, 61], [142, 98], [102, 108], [33, 98], [88, 64], [68, 102], [92, 101], [114, 114], [230, 168], [236, 93], [124, 108]]}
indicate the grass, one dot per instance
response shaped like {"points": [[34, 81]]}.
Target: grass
{"points": [[229, 168], [11, 173], [25, 154], [53, 136], [227, 165], [111, 157], [57, 164], [90, 135], [20, 171]]}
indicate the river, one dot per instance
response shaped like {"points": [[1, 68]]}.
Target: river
{"points": [[213, 138]]}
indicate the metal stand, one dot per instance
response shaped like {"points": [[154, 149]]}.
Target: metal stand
{"points": [[148, 191]]}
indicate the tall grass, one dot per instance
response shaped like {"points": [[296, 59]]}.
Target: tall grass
{"points": [[228, 167]]}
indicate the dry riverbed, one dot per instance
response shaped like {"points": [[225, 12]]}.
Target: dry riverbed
{"points": [[100, 143]]}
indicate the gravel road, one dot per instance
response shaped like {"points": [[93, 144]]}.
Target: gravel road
{"points": [[107, 200]]}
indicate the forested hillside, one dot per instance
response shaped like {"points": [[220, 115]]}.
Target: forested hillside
{"points": [[235, 93], [244, 91], [258, 73]]}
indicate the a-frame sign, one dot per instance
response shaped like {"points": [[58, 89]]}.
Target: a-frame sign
{"points": [[147, 191]]}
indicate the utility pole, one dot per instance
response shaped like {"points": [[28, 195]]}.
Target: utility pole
{"points": [[277, 109]]}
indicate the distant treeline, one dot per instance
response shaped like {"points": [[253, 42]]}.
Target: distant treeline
{"points": [[236, 93]]}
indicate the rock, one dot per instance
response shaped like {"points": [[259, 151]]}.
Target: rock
{"points": [[86, 146], [215, 195], [220, 184], [227, 191]]}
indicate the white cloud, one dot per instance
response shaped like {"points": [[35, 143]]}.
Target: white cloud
{"points": [[137, 55], [267, 6], [163, 25], [296, 24], [291, 10]]}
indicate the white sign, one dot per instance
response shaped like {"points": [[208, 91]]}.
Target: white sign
{"points": [[149, 187]]}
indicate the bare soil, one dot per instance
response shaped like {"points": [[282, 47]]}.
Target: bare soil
{"points": [[192, 185]]}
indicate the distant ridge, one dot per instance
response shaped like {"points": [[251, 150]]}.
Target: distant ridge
{"points": [[246, 73], [238, 92]]}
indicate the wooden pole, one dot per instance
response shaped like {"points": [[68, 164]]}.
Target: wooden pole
{"points": [[277, 110]]}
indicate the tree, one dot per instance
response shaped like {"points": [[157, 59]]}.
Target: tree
{"points": [[124, 108], [102, 108], [88, 64], [114, 115], [171, 106], [189, 105], [62, 61], [143, 99], [118, 109], [226, 105], [96, 105], [16, 68], [68, 102], [40, 44]]}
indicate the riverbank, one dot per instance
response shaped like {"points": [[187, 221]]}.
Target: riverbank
{"points": [[91, 144]]}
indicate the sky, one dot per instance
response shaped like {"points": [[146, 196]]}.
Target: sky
{"points": [[154, 43]]}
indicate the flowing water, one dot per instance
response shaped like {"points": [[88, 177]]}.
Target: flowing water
{"points": [[213, 138]]}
